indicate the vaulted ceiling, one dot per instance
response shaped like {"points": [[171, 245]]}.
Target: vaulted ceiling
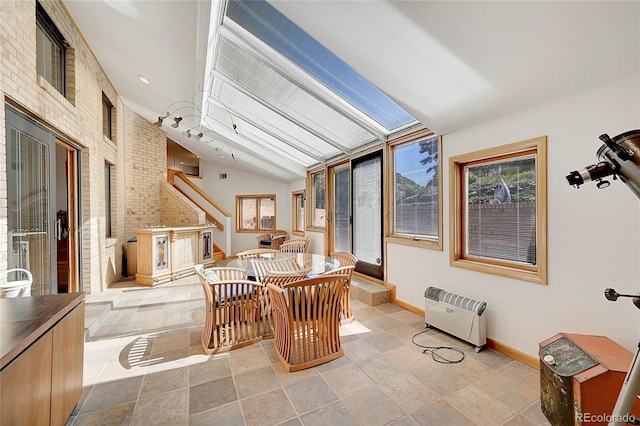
{"points": [[241, 74]]}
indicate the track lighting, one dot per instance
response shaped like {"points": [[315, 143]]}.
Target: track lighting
{"points": [[188, 133], [159, 122], [198, 136], [177, 122]]}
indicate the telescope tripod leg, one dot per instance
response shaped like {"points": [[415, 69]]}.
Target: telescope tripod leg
{"points": [[621, 414]]}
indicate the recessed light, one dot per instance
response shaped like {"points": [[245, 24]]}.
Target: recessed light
{"points": [[144, 80]]}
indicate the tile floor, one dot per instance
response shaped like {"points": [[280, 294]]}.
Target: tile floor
{"points": [[144, 366]]}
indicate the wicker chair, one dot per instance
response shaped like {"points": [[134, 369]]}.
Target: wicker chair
{"points": [[345, 258], [253, 253], [232, 313], [306, 325], [297, 245], [261, 267], [272, 240], [225, 273], [279, 279], [346, 314]]}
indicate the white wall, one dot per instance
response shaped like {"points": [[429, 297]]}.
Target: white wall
{"points": [[593, 235], [238, 182]]}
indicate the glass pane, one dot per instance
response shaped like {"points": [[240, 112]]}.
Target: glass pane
{"points": [[276, 30], [341, 200], [107, 200], [299, 213], [49, 58], [248, 217], [318, 209], [106, 119], [416, 188], [267, 213], [367, 211], [28, 175], [501, 210]]}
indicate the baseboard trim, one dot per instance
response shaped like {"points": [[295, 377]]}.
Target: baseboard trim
{"points": [[512, 353], [524, 358], [408, 307]]}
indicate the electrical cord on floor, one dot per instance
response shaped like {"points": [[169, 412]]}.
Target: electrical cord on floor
{"points": [[433, 350]]}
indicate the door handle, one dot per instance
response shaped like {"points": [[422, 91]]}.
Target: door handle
{"points": [[58, 230]]}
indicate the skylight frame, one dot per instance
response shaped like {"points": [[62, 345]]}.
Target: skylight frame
{"points": [[235, 7]]}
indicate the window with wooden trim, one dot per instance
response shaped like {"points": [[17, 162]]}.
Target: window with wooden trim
{"points": [[255, 213], [498, 205], [297, 202], [317, 210], [107, 117], [416, 202], [50, 51]]}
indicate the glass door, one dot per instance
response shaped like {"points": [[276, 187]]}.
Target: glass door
{"points": [[366, 206], [31, 198], [340, 224]]}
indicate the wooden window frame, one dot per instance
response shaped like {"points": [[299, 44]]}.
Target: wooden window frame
{"points": [[257, 197], [422, 241], [297, 228], [534, 273], [310, 200]]}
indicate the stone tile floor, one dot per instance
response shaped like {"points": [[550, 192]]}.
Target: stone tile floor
{"points": [[144, 366]]}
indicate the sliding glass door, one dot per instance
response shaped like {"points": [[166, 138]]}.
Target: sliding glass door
{"points": [[367, 214], [41, 206]]}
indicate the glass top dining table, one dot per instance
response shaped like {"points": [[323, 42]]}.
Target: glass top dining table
{"points": [[317, 263]]}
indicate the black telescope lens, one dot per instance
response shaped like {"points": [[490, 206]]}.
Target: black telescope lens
{"points": [[575, 179]]}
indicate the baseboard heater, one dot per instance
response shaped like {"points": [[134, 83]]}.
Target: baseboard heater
{"points": [[457, 315]]}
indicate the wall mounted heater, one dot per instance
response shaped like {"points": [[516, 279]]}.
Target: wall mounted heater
{"points": [[457, 315]]}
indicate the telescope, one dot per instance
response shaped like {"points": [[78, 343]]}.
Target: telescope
{"points": [[619, 157]]}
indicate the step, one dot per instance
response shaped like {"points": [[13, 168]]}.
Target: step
{"points": [[370, 293]]}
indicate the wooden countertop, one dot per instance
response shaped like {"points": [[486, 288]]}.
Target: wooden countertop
{"points": [[24, 319], [175, 228]]}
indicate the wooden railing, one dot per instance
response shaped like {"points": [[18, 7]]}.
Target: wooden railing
{"points": [[180, 175]]}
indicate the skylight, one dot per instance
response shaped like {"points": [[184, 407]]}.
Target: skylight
{"points": [[264, 22]]}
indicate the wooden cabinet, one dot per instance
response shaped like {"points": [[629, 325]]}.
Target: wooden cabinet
{"points": [[42, 343], [166, 254]]}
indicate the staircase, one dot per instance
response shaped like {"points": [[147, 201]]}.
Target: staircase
{"points": [[210, 204]]}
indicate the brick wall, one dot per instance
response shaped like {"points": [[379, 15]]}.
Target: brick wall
{"points": [[137, 150], [177, 210]]}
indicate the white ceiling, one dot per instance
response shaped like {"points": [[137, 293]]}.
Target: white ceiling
{"points": [[450, 64]]}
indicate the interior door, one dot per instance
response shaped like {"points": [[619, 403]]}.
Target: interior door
{"points": [[366, 205], [65, 230]]}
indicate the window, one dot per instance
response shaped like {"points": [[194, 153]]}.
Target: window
{"points": [[416, 207], [107, 111], [499, 207], [298, 213], [50, 50], [317, 207], [108, 200], [255, 213]]}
